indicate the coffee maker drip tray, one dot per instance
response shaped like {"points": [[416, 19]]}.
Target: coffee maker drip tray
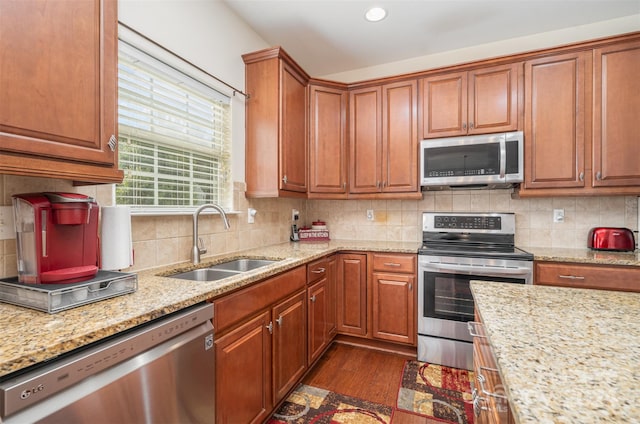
{"points": [[54, 298]]}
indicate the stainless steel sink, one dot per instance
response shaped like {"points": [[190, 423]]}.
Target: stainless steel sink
{"points": [[223, 270], [205, 274], [243, 265]]}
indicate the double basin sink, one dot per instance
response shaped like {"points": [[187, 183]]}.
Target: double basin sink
{"points": [[223, 270]]}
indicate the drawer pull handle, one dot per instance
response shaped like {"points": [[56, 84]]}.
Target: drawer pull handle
{"points": [[318, 271], [481, 379], [571, 277], [391, 264], [471, 326]]}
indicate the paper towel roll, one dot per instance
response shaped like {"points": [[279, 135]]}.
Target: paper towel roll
{"points": [[115, 237]]}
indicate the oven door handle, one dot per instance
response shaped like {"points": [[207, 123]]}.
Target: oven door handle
{"points": [[492, 271]]}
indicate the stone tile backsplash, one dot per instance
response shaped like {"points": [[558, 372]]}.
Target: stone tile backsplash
{"points": [[164, 240]]}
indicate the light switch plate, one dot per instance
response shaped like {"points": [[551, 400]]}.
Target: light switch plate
{"points": [[7, 231]]}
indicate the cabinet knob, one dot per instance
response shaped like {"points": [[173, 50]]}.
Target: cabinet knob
{"points": [[284, 179], [470, 125], [279, 321], [582, 176], [464, 125], [598, 175], [313, 298], [112, 143], [270, 327]]}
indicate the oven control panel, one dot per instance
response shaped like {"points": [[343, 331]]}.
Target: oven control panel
{"points": [[490, 222], [468, 222]]}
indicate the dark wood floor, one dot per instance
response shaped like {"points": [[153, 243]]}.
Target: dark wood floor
{"points": [[363, 373]]}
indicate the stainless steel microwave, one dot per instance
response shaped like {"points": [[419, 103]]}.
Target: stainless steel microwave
{"points": [[478, 161]]}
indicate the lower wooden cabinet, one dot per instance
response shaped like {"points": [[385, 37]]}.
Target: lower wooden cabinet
{"points": [[490, 403], [261, 352], [351, 297], [587, 276], [394, 307]]}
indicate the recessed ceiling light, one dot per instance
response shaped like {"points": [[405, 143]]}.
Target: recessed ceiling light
{"points": [[375, 14]]}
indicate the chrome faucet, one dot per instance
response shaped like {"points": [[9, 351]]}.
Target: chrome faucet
{"points": [[198, 246]]}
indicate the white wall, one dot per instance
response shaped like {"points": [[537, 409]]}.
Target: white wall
{"points": [[496, 49], [209, 35]]}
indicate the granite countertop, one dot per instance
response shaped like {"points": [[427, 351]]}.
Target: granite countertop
{"points": [[585, 256], [30, 337], [565, 355]]}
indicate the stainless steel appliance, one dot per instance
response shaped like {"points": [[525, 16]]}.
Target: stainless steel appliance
{"points": [[479, 161], [160, 372], [458, 248]]}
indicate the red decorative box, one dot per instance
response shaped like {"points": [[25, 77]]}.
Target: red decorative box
{"points": [[313, 235]]}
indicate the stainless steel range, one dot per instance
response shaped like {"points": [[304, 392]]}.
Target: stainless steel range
{"points": [[458, 248]]}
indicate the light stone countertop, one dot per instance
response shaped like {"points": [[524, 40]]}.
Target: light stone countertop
{"points": [[30, 336], [585, 256], [565, 355]]}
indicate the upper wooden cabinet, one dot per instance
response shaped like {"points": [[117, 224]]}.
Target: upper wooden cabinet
{"points": [[580, 110], [475, 102], [58, 79], [616, 113], [383, 139], [328, 144], [276, 125], [556, 123]]}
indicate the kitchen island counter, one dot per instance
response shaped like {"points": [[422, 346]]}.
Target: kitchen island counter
{"points": [[565, 355], [30, 337]]}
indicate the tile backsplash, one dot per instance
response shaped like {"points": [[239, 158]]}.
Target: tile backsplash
{"points": [[164, 240]]}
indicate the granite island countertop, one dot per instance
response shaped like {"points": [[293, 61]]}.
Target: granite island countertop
{"points": [[30, 337], [565, 355]]}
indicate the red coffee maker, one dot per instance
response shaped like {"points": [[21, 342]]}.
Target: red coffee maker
{"points": [[57, 237]]}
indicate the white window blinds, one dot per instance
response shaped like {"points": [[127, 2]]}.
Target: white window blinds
{"points": [[174, 134]]}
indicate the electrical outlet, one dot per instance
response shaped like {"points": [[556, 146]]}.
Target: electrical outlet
{"points": [[251, 215], [370, 216], [558, 215], [295, 215], [7, 231]]}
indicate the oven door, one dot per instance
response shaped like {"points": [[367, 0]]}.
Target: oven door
{"points": [[445, 303]]}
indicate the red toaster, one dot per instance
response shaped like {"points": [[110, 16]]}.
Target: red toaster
{"points": [[610, 238]]}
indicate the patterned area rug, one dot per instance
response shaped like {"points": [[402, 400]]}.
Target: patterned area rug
{"points": [[309, 404], [437, 392]]}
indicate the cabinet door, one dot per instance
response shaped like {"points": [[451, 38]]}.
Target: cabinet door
{"points": [[617, 108], [393, 307], [293, 127], [443, 105], [243, 373], [332, 273], [58, 80], [317, 306], [400, 137], [352, 294], [493, 99], [289, 344], [556, 106], [328, 140], [365, 160]]}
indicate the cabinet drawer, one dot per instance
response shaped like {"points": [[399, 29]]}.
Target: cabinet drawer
{"points": [[394, 263], [316, 270], [234, 308], [588, 276]]}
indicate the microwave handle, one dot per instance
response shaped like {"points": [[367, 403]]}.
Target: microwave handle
{"points": [[503, 159]]}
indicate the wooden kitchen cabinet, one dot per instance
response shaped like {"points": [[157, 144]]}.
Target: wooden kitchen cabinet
{"points": [[490, 403], [328, 144], [394, 297], [579, 123], [321, 305], [58, 79], [616, 112], [351, 296], [480, 101], [587, 276], [276, 125], [261, 346], [556, 123], [383, 140]]}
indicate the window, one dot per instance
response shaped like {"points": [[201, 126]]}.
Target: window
{"points": [[174, 134]]}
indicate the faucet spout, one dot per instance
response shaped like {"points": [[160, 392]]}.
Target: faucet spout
{"points": [[197, 248]]}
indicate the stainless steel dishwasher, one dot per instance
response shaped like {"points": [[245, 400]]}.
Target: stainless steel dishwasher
{"points": [[160, 372]]}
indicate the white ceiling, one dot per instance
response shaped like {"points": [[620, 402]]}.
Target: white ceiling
{"points": [[332, 36]]}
